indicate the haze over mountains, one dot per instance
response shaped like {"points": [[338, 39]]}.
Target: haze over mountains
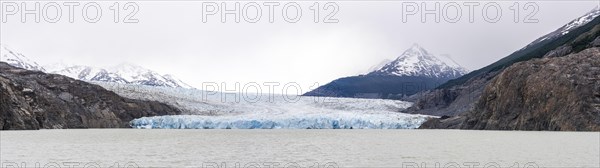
{"points": [[124, 73]]}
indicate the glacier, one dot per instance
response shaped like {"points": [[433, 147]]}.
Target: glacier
{"points": [[315, 121], [215, 110]]}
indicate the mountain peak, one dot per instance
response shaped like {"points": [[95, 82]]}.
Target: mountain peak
{"points": [[17, 59], [416, 49], [128, 65], [415, 46], [416, 61], [124, 73]]}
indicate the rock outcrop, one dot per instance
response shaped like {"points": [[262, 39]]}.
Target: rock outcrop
{"points": [[560, 94], [36, 100], [559, 52], [451, 101], [459, 96], [548, 85]]}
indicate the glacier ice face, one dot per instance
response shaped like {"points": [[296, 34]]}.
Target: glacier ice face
{"points": [[314, 121], [343, 113], [214, 110]]}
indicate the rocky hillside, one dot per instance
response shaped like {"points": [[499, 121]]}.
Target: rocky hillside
{"points": [[543, 94], [560, 94], [459, 95], [551, 84], [36, 100]]}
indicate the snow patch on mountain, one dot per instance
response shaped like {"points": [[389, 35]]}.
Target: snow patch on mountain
{"points": [[588, 17], [18, 60], [379, 65], [416, 61], [448, 60], [124, 73]]}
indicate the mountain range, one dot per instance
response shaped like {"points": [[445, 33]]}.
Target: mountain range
{"points": [[124, 73], [37, 100], [413, 71]]}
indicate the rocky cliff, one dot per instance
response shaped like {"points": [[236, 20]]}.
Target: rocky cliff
{"points": [[36, 100], [459, 95], [543, 94], [549, 85], [560, 93]]}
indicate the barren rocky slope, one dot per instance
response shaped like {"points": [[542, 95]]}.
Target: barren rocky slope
{"points": [[549, 85], [36, 100], [460, 95], [560, 94]]}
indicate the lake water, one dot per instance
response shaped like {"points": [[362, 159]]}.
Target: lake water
{"points": [[297, 148]]}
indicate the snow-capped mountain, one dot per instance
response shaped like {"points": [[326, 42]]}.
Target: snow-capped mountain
{"points": [[142, 76], [416, 61], [123, 73], [413, 71], [17, 59], [569, 26], [86, 73], [378, 66]]}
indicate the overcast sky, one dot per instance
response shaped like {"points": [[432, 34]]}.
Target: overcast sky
{"points": [[171, 38]]}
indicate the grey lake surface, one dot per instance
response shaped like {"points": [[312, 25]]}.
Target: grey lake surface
{"points": [[297, 148]]}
